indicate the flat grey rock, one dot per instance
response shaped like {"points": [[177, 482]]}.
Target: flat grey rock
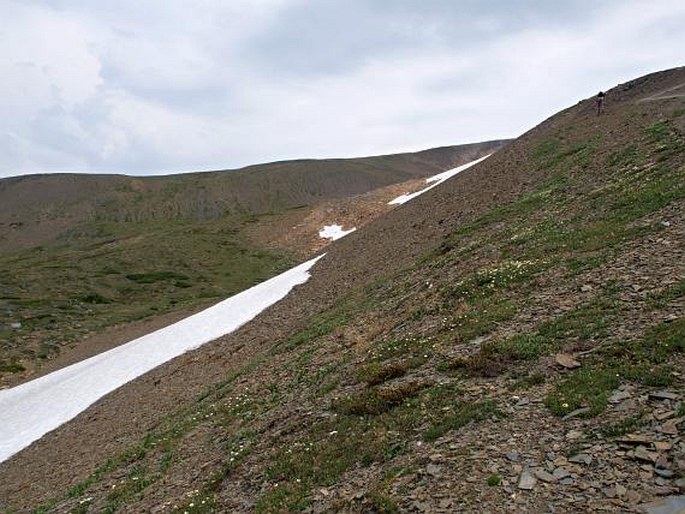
{"points": [[664, 395], [513, 456], [575, 413], [619, 396], [581, 458], [561, 473], [670, 505], [545, 476], [527, 480]]}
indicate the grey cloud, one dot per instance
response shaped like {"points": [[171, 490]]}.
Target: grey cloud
{"points": [[334, 36], [171, 85]]}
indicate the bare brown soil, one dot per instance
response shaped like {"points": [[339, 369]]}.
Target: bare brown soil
{"points": [[298, 230]]}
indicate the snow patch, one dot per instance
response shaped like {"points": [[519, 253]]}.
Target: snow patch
{"points": [[31, 410], [437, 180], [334, 232]]}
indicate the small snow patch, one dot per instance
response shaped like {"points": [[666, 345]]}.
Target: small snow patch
{"points": [[436, 181], [334, 232]]}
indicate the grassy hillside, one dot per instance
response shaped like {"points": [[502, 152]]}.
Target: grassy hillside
{"points": [[79, 253], [510, 341], [36, 209], [56, 295]]}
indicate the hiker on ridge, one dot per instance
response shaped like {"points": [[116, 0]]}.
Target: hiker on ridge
{"points": [[600, 101]]}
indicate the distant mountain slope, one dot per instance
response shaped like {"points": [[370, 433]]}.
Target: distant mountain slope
{"points": [[511, 341], [35, 209]]}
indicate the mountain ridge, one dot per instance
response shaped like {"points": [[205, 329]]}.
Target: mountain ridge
{"points": [[252, 190]]}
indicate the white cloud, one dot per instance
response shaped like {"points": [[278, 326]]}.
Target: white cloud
{"points": [[46, 59], [158, 86]]}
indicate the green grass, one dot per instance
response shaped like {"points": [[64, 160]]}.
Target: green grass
{"points": [[383, 420], [12, 368], [624, 156], [460, 414], [486, 281], [377, 373], [93, 298], [537, 226], [585, 262], [382, 503], [552, 153], [378, 400], [407, 348], [483, 318], [646, 361], [494, 480], [547, 149], [596, 226], [522, 209], [155, 455], [319, 460], [587, 322], [529, 380], [667, 138], [587, 387], [107, 273], [156, 276], [662, 187], [323, 324], [622, 427], [663, 298]]}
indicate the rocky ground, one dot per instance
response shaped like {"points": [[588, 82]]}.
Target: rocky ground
{"points": [[564, 465], [513, 341]]}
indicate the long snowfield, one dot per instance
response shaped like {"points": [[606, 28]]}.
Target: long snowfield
{"points": [[31, 410], [436, 181]]}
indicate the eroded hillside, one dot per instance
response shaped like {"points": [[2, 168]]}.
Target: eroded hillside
{"points": [[512, 341]]}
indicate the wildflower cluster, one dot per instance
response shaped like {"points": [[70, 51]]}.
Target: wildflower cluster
{"points": [[306, 446], [237, 451], [523, 235], [398, 347], [198, 416], [239, 404], [196, 501], [507, 273], [487, 280]]}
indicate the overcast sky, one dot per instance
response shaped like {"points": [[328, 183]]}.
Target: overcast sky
{"points": [[162, 86]]}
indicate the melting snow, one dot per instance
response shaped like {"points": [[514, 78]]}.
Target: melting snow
{"points": [[437, 180], [32, 409], [334, 232]]}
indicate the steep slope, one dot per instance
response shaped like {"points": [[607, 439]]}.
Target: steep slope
{"points": [[80, 254], [411, 370]]}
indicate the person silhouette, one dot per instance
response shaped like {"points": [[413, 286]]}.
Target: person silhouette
{"points": [[600, 102]]}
